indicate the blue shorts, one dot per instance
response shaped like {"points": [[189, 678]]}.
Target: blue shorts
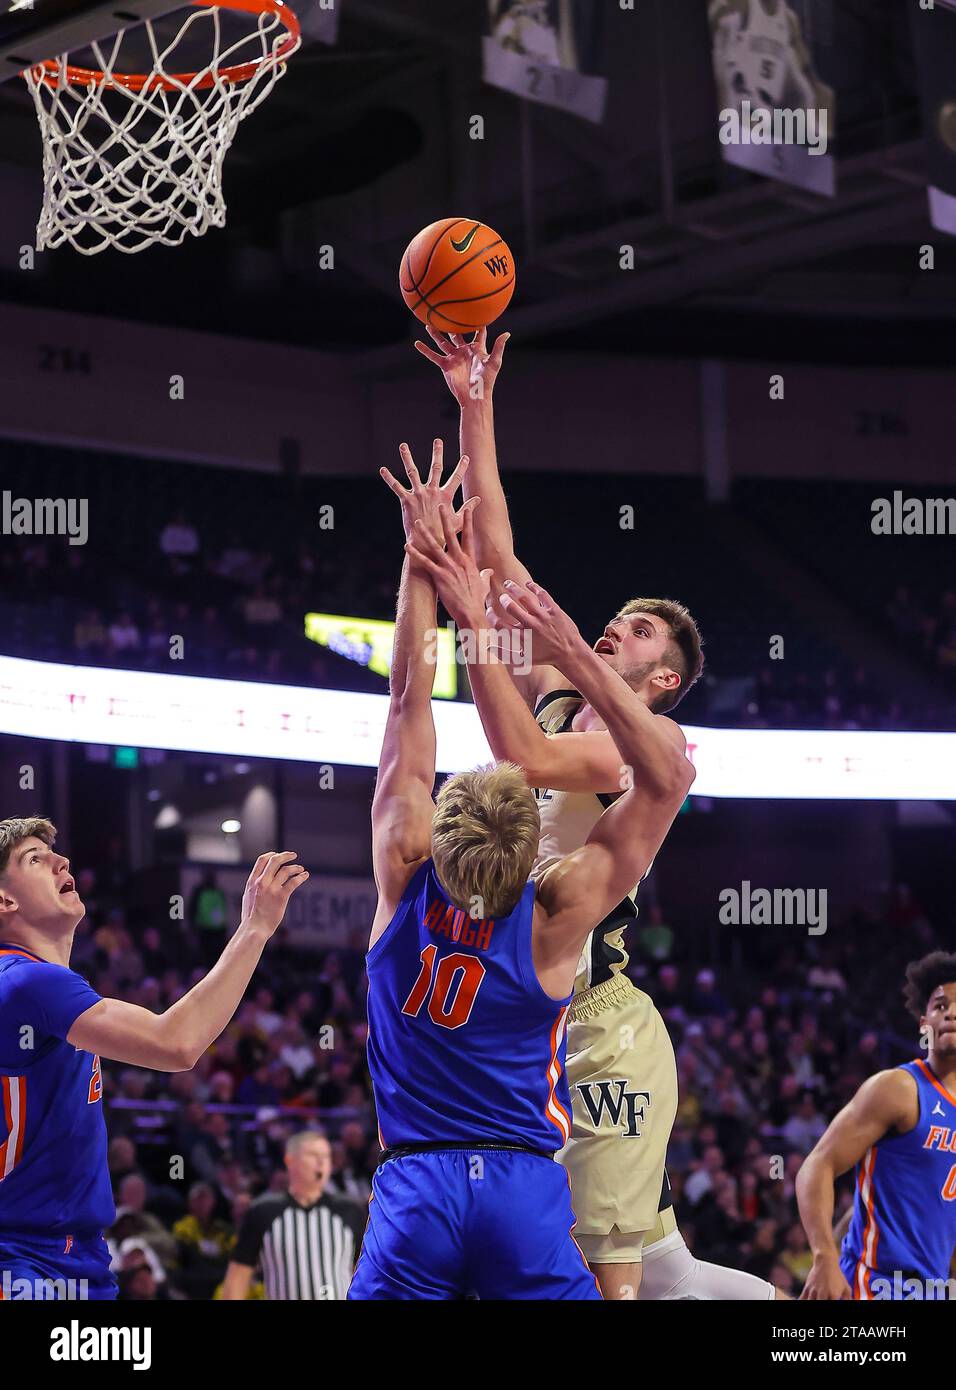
{"points": [[452, 1224], [55, 1267]]}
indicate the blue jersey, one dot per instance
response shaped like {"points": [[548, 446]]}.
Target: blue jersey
{"points": [[464, 1045], [904, 1211], [54, 1177]]}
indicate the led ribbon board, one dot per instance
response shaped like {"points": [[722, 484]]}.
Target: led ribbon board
{"points": [[144, 709]]}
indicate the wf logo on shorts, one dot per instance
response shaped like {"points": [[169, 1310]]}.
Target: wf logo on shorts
{"points": [[624, 1103]]}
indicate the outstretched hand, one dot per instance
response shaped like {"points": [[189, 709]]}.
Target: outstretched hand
{"points": [[470, 370], [273, 880], [422, 501], [461, 586], [554, 636]]}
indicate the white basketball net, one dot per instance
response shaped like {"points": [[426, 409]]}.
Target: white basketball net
{"points": [[129, 168]]}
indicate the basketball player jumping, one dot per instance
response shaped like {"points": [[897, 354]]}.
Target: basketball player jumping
{"points": [[471, 964], [55, 1194], [900, 1132], [621, 1065]]}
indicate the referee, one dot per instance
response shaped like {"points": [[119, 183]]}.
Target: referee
{"points": [[306, 1242]]}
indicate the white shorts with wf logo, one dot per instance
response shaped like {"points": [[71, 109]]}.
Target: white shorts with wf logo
{"points": [[623, 1079]]}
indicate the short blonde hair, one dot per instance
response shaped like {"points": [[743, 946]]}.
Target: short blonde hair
{"points": [[485, 834], [17, 829]]}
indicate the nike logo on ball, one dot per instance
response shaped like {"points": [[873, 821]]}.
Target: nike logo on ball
{"points": [[464, 244]]}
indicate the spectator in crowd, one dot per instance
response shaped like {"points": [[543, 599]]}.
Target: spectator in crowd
{"points": [[133, 1219], [124, 635], [204, 1243], [90, 636], [805, 1126], [179, 540], [208, 915]]}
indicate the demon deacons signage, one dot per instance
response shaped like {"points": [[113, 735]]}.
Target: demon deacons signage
{"points": [[776, 112], [934, 43], [548, 51]]}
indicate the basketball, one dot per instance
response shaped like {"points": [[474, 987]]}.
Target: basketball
{"points": [[457, 275]]}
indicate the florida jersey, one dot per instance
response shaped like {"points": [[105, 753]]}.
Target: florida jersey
{"points": [[464, 1045], [904, 1211], [54, 1177]]}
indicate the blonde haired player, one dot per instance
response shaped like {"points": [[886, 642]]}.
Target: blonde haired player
{"points": [[621, 1065]]}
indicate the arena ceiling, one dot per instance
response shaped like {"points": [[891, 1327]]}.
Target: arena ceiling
{"points": [[364, 142]]}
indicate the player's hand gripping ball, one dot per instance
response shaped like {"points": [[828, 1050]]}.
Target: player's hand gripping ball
{"points": [[457, 275]]}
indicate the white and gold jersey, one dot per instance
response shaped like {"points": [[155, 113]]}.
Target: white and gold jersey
{"points": [[754, 54], [567, 818]]}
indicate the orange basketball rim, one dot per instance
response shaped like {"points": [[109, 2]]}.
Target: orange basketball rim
{"points": [[50, 71]]}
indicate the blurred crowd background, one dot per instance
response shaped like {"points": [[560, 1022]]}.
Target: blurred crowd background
{"points": [[858, 649]]}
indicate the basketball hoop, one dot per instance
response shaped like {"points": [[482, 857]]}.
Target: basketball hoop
{"points": [[131, 159]]}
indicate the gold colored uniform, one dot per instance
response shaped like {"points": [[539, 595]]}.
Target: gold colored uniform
{"points": [[621, 1067]]}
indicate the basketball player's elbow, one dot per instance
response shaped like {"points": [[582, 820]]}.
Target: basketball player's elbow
{"points": [[174, 1051], [177, 1059], [671, 780]]}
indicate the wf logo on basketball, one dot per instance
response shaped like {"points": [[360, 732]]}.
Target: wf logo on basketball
{"points": [[498, 265]]}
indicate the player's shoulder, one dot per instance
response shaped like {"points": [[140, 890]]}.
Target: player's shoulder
{"points": [[269, 1204], [554, 695], [889, 1094], [23, 973], [673, 731]]}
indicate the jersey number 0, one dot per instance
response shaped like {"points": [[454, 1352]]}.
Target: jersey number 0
{"points": [[458, 976]]}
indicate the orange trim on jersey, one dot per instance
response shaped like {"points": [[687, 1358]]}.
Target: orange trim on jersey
{"points": [[20, 951], [871, 1234], [554, 1110], [933, 1080], [15, 1117]]}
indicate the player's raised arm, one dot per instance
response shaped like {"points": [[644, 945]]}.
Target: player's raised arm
{"points": [[587, 884], [575, 762], [402, 807], [176, 1039], [651, 749], [470, 372], [884, 1103]]}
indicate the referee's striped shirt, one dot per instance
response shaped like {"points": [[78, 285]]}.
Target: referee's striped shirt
{"points": [[304, 1252]]}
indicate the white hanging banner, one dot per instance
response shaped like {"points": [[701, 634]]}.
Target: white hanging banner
{"points": [[548, 51], [776, 113]]}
